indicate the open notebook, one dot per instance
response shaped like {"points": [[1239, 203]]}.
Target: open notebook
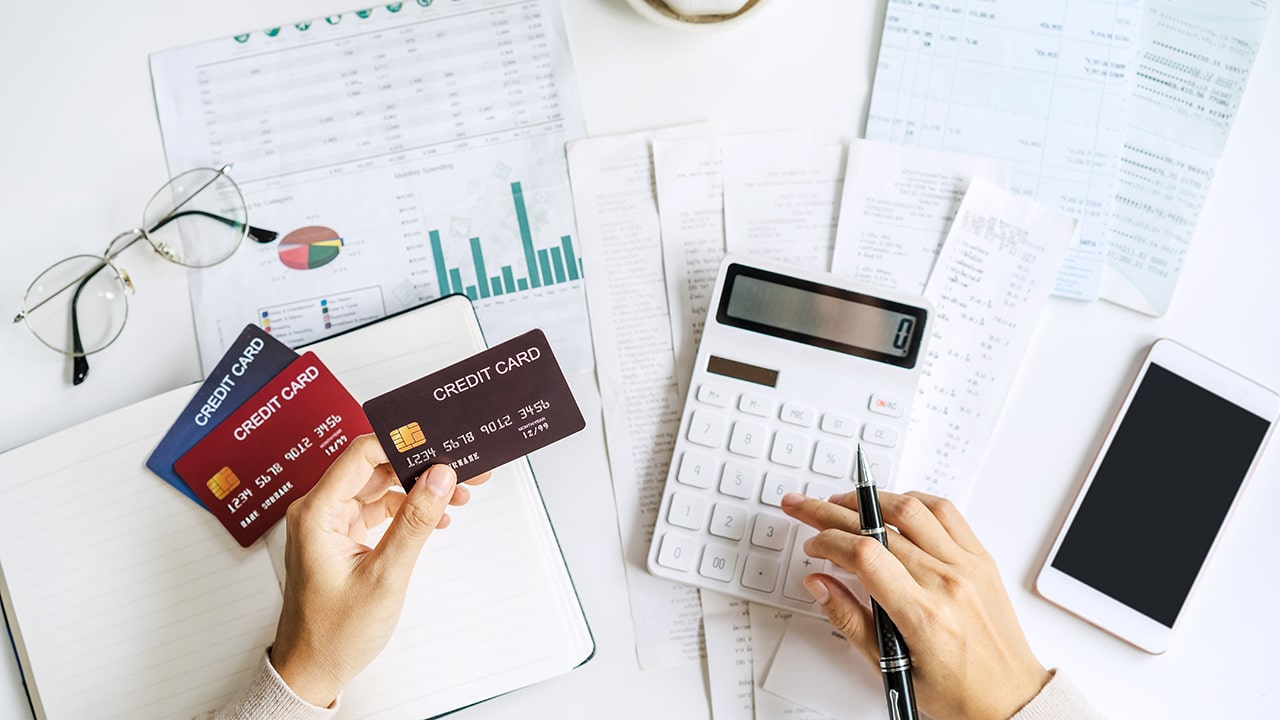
{"points": [[129, 601]]}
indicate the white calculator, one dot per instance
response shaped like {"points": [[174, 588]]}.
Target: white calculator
{"points": [[795, 368]]}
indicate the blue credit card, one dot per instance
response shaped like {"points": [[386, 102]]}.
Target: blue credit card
{"points": [[252, 361]]}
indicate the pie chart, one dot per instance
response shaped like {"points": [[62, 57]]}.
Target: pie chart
{"points": [[310, 247]]}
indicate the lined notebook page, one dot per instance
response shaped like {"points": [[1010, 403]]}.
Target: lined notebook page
{"points": [[127, 600], [491, 607]]}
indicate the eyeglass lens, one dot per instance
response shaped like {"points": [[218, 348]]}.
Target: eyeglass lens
{"points": [[198, 219], [99, 292]]}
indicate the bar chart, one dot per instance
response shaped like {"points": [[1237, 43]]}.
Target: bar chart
{"points": [[543, 267]]}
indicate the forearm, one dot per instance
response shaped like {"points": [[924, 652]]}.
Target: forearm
{"points": [[267, 695]]}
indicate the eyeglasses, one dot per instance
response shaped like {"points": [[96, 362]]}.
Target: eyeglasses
{"points": [[196, 220]]}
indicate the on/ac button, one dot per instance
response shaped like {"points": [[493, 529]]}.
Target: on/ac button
{"points": [[885, 405]]}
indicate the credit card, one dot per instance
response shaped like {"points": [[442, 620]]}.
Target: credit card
{"points": [[493, 407], [273, 449], [251, 362]]}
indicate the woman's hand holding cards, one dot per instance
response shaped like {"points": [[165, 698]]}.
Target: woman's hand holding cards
{"points": [[342, 599]]}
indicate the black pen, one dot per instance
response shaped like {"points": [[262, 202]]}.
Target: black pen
{"points": [[895, 660]]}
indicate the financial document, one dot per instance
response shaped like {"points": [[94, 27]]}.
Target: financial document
{"points": [[778, 201], [897, 207], [817, 668], [631, 327], [690, 186], [1040, 84], [988, 288], [726, 622], [768, 626], [781, 200], [1193, 63], [403, 152]]}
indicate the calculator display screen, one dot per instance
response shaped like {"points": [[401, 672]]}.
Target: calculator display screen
{"points": [[821, 315]]}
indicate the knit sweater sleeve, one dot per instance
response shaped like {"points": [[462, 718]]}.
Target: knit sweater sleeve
{"points": [[267, 696], [1059, 700]]}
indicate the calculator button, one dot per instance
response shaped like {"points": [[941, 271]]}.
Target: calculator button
{"points": [[789, 449], [770, 531], [706, 429], [677, 552], [832, 459], [800, 567], [687, 511], [776, 485], [822, 490], [885, 405], [881, 467], [718, 563], [797, 415], [760, 573], [748, 439], [880, 435], [697, 470], [755, 405], [839, 425], [739, 480], [728, 521], [714, 395]]}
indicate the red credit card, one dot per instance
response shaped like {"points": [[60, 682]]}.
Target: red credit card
{"points": [[273, 449]]}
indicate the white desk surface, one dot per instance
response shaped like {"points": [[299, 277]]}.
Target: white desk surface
{"points": [[81, 154]]}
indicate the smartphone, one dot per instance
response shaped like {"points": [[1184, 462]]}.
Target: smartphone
{"points": [[1164, 482]]}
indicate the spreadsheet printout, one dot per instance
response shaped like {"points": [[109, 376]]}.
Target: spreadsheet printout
{"points": [[1040, 84], [1193, 62], [403, 153]]}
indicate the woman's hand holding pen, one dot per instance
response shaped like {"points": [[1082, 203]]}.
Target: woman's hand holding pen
{"points": [[941, 589]]}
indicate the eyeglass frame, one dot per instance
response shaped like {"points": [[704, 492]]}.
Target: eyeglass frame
{"points": [[80, 363]]}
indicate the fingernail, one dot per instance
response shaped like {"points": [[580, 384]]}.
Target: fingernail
{"points": [[836, 498], [818, 590], [792, 499], [440, 480], [808, 547]]}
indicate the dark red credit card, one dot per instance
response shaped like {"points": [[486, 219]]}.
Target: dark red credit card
{"points": [[273, 448]]}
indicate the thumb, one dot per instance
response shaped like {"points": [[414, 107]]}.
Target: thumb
{"points": [[847, 615], [419, 514]]}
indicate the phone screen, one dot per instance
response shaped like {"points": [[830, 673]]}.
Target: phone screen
{"points": [[1160, 495]]}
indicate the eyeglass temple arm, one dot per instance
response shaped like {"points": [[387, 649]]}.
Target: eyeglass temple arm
{"points": [[79, 362], [258, 234]]}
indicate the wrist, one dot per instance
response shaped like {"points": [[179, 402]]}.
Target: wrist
{"points": [[1035, 680], [305, 678]]}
